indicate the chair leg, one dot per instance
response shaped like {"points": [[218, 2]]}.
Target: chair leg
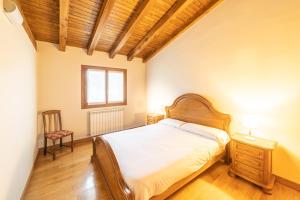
{"points": [[53, 149], [61, 142], [45, 146], [72, 142]]}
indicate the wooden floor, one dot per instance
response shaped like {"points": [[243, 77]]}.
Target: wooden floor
{"points": [[73, 176]]}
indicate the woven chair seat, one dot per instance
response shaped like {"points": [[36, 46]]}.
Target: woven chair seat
{"points": [[58, 134]]}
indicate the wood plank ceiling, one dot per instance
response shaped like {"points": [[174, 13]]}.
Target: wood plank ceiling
{"points": [[135, 28]]}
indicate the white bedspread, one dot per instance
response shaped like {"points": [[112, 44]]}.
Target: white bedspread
{"points": [[154, 157]]}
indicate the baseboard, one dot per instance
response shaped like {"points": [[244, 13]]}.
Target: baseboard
{"points": [[288, 183], [75, 142], [82, 140], [29, 177]]}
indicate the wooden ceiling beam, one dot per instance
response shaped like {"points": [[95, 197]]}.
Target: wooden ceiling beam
{"points": [[176, 7], [29, 32], [201, 13], [100, 24], [63, 23], [26, 25], [141, 12]]}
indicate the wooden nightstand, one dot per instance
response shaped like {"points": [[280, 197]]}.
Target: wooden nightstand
{"points": [[252, 160], [153, 118]]}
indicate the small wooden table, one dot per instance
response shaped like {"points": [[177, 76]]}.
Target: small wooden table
{"points": [[252, 160]]}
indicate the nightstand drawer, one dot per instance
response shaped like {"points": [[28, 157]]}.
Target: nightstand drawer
{"points": [[154, 118], [249, 161], [150, 120], [249, 150], [249, 172]]}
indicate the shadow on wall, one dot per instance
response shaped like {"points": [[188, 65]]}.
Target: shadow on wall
{"points": [[286, 158], [139, 120], [19, 170]]}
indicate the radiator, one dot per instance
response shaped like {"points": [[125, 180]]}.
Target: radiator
{"points": [[105, 120]]}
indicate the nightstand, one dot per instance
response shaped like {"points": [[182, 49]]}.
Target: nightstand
{"points": [[153, 118], [252, 160]]}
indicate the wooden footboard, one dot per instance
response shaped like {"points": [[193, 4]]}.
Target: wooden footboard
{"points": [[107, 164]]}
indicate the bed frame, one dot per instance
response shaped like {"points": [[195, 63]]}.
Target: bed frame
{"points": [[189, 108]]}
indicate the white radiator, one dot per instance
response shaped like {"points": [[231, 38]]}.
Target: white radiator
{"points": [[105, 120]]}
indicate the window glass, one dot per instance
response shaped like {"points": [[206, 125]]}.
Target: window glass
{"points": [[95, 86], [115, 86]]}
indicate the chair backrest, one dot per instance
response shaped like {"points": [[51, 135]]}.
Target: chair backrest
{"points": [[52, 121]]}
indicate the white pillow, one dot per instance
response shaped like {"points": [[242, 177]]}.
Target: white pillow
{"points": [[212, 133], [172, 122]]}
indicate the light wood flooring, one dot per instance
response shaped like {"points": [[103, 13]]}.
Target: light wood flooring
{"points": [[72, 176]]}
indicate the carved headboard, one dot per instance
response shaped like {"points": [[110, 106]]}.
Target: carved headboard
{"points": [[196, 109]]}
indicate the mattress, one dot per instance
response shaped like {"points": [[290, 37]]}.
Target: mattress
{"points": [[154, 157]]}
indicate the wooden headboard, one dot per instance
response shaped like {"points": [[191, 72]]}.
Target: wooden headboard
{"points": [[196, 109]]}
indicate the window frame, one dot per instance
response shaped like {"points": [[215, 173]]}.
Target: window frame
{"points": [[84, 103]]}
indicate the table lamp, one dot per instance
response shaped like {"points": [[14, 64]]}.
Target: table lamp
{"points": [[251, 123]]}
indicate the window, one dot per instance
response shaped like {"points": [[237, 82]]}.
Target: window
{"points": [[103, 86]]}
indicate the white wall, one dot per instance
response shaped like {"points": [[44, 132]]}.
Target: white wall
{"points": [[59, 85], [244, 56], [18, 108]]}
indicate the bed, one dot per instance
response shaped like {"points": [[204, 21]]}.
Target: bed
{"points": [[153, 162]]}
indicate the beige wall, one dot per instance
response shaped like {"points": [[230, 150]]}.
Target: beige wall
{"points": [[59, 85], [244, 56], [18, 108]]}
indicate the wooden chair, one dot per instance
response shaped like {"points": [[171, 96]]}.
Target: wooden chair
{"points": [[53, 131]]}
